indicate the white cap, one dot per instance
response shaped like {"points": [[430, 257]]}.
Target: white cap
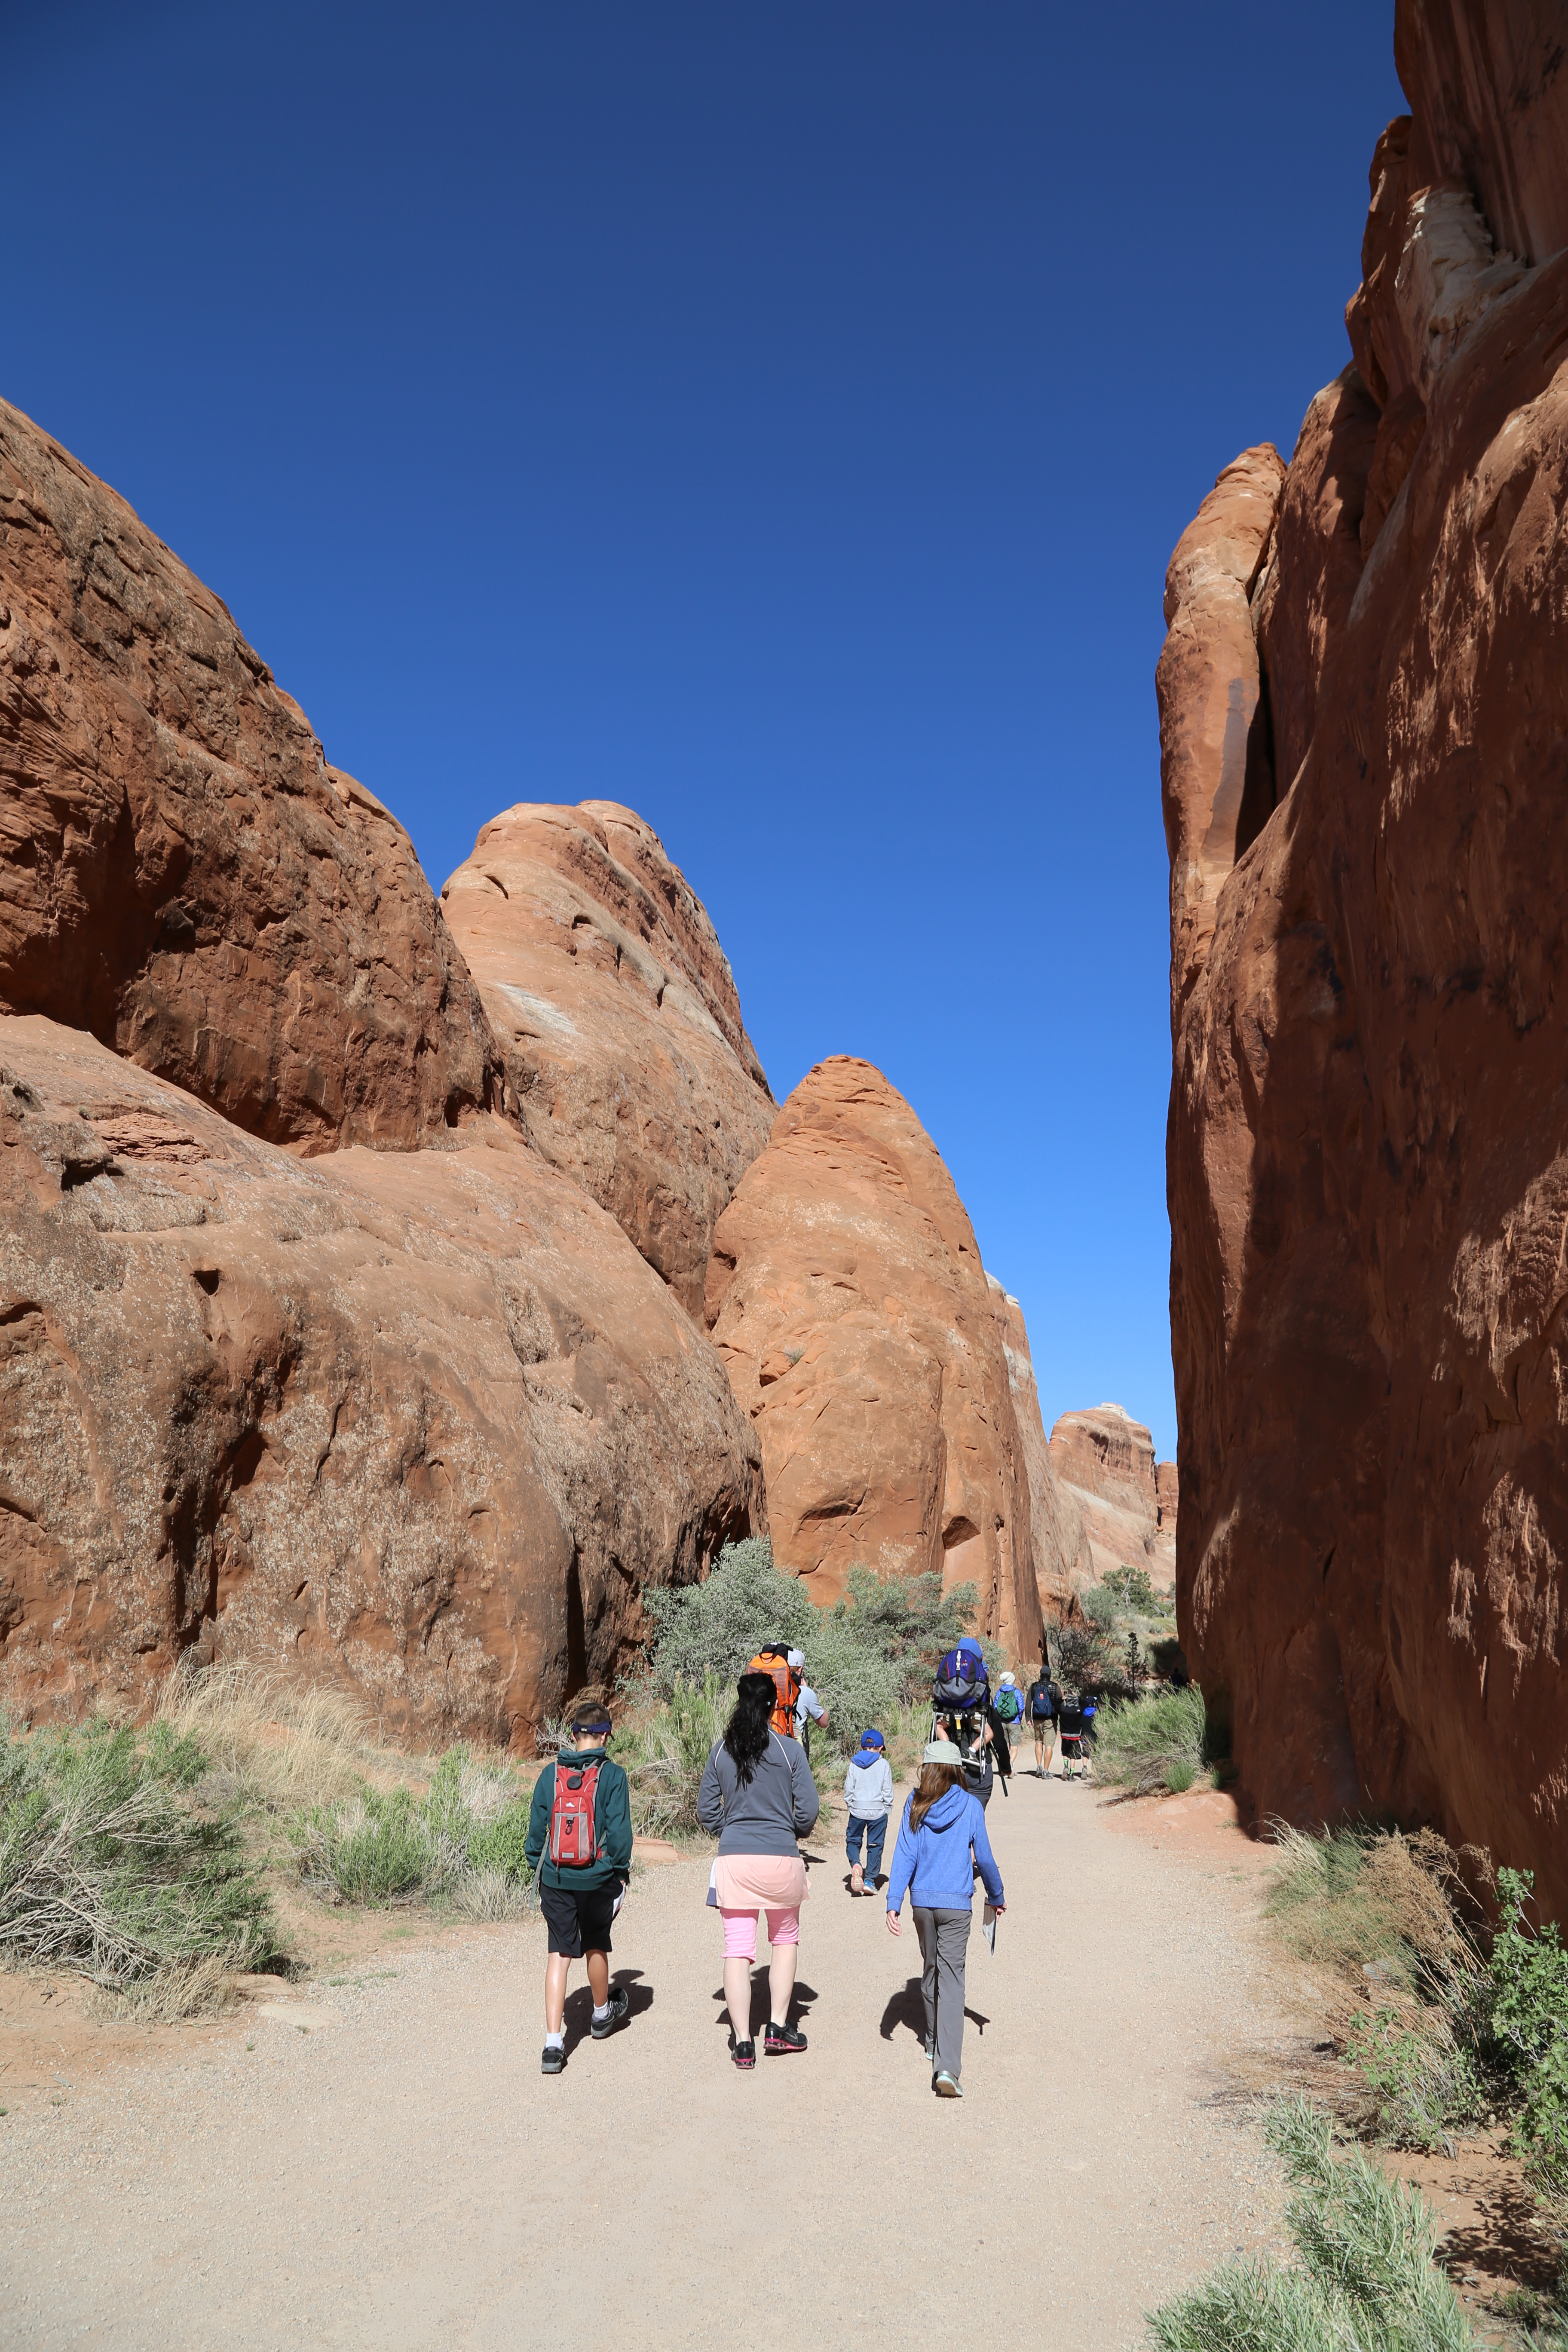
{"points": [[796, 1659], [1008, 1678]]}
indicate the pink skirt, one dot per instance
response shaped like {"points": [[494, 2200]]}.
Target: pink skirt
{"points": [[774, 1882]]}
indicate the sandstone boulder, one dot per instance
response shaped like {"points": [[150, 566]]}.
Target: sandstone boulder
{"points": [[1104, 1465], [425, 1424], [846, 1296], [604, 978], [1368, 1171], [181, 871]]}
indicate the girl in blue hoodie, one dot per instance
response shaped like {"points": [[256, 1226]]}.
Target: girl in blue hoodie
{"points": [[941, 1838]]}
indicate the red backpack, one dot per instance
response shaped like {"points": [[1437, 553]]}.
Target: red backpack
{"points": [[573, 1838]]}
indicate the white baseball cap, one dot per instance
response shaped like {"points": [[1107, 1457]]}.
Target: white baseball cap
{"points": [[796, 1659]]}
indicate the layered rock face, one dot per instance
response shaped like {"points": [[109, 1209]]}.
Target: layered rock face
{"points": [[603, 977], [1368, 1157], [419, 1420], [846, 1298], [424, 1423], [1063, 1562], [1125, 1501], [181, 872]]}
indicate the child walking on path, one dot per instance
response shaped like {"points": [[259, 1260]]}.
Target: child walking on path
{"points": [[943, 1826], [579, 1848], [869, 1792], [758, 1793]]}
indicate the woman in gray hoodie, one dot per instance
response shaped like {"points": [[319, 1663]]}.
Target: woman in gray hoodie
{"points": [[758, 1794]]}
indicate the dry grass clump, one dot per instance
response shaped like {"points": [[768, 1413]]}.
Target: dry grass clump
{"points": [[280, 1746]]}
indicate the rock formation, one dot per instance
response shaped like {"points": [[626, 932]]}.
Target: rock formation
{"points": [[181, 872], [1368, 1157], [848, 1299], [1105, 1468], [422, 1420], [1063, 1563], [603, 977]]}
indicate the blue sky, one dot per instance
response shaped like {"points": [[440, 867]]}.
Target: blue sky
{"points": [[777, 419]]}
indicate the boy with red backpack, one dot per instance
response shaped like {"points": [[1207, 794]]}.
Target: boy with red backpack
{"points": [[579, 1849]]}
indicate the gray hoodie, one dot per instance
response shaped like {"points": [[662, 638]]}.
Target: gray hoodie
{"points": [[869, 1788], [777, 1806]]}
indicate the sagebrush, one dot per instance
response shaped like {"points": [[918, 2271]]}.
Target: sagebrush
{"points": [[1367, 2278], [462, 1841], [110, 1864]]}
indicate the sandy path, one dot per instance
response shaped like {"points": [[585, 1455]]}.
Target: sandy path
{"points": [[401, 2174]]}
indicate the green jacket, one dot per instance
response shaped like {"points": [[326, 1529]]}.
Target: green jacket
{"points": [[612, 1827]]}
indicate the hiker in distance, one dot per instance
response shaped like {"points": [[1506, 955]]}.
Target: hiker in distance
{"points": [[809, 1708], [1040, 1704], [579, 1849], [942, 1839], [869, 1792], [758, 1793]]}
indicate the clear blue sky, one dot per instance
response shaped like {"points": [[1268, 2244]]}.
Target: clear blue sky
{"points": [[775, 416]]}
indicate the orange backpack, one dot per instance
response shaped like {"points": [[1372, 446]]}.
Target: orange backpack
{"points": [[786, 1682]]}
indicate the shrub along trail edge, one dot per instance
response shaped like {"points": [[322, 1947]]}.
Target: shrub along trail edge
{"points": [[400, 2174]]}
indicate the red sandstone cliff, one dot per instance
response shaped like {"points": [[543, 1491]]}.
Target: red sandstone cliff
{"points": [[848, 1299], [422, 1420], [1363, 707], [1104, 1465], [626, 1049]]}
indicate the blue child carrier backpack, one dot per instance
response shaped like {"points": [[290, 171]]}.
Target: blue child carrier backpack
{"points": [[961, 1683]]}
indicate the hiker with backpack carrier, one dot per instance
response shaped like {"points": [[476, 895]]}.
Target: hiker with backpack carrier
{"points": [[941, 1842], [961, 1695], [579, 1849], [758, 1795]]}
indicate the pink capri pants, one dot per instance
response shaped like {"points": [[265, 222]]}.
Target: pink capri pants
{"points": [[741, 1931]]}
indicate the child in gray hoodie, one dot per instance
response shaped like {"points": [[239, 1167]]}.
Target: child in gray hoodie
{"points": [[869, 1791]]}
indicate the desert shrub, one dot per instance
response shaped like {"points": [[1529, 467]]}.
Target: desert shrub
{"points": [[1084, 1658], [1153, 1743], [1529, 2031], [664, 1747], [463, 1840], [1367, 2278], [1379, 1910], [271, 1745], [1101, 1605], [870, 1652], [109, 1865], [1132, 1592]]}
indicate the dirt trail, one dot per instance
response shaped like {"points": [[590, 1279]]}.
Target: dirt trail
{"points": [[386, 2166]]}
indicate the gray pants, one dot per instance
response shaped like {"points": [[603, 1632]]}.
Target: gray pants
{"points": [[944, 1939]]}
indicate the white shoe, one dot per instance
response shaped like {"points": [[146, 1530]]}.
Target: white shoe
{"points": [[945, 2085]]}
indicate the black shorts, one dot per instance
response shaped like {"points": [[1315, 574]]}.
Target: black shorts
{"points": [[579, 1922]]}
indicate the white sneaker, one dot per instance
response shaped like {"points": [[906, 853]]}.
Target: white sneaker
{"points": [[945, 2085]]}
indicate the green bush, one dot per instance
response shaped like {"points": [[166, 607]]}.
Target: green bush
{"points": [[380, 1846], [109, 1865], [1368, 2279], [1529, 2021], [1153, 1743], [873, 1649]]}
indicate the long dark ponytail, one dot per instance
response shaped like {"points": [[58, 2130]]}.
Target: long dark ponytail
{"points": [[746, 1733]]}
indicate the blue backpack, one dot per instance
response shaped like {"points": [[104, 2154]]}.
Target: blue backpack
{"points": [[961, 1683]]}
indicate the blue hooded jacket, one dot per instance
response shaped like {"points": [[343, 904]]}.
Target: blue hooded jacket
{"points": [[933, 1863]]}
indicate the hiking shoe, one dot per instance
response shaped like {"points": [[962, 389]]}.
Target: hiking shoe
{"points": [[744, 2055], [553, 2060], [620, 2002], [945, 2085], [780, 2039], [856, 1883]]}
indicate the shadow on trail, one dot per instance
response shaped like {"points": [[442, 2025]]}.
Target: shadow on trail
{"points": [[908, 2007], [800, 2001], [579, 2011]]}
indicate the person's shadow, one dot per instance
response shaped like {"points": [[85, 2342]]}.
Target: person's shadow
{"points": [[579, 2013], [907, 2007], [800, 2001]]}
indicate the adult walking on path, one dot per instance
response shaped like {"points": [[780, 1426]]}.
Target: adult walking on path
{"points": [[1042, 1701], [758, 1793], [941, 1838]]}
